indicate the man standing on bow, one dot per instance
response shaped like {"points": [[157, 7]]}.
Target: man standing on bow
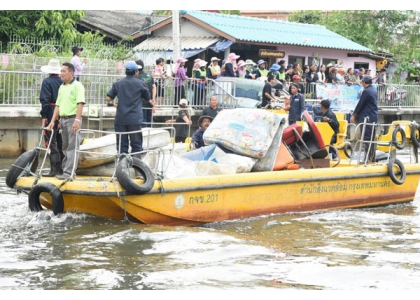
{"points": [[69, 106], [131, 93], [367, 107], [48, 97]]}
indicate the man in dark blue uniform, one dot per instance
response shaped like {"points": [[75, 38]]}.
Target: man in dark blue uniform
{"points": [[48, 97], [129, 117], [367, 107]]}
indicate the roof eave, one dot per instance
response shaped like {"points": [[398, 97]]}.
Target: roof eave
{"points": [[209, 28], [151, 28]]}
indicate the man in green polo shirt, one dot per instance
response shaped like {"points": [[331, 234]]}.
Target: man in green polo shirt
{"points": [[69, 106]]}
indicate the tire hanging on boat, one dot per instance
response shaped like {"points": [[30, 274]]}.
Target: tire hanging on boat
{"points": [[348, 150], [403, 173], [403, 138], [127, 183], [46, 187], [21, 163], [415, 136]]}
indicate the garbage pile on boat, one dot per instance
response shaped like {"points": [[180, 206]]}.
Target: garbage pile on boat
{"points": [[239, 141]]}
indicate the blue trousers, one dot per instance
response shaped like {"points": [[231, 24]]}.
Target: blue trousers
{"points": [[135, 140]]}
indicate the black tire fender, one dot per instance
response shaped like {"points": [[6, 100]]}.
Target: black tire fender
{"points": [[46, 187], [348, 150], [397, 130], [391, 163], [123, 176], [18, 167], [415, 136]]}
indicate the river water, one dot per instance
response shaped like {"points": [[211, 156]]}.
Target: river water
{"points": [[363, 249]]}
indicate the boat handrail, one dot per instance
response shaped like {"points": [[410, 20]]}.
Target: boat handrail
{"points": [[146, 132], [388, 140]]}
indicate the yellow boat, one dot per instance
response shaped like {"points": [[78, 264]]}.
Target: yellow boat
{"points": [[199, 200]]}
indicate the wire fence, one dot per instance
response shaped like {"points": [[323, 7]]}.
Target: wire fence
{"points": [[23, 88]]}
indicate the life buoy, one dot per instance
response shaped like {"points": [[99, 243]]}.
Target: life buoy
{"points": [[403, 173], [127, 183], [397, 130], [46, 187], [415, 136], [18, 167], [348, 150]]}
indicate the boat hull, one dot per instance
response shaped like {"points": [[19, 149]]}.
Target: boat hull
{"points": [[183, 201]]}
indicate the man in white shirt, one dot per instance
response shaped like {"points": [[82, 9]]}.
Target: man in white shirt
{"points": [[78, 66]]}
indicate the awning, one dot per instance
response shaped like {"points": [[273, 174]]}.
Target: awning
{"points": [[165, 43]]}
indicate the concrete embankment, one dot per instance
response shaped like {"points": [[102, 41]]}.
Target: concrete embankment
{"points": [[20, 127]]}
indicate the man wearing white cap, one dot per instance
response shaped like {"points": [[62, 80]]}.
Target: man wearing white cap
{"points": [[131, 92], [48, 97], [214, 71]]}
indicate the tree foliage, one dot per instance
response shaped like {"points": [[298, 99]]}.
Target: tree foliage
{"points": [[48, 23]]}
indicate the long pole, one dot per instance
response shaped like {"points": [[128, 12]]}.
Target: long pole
{"points": [[176, 40]]}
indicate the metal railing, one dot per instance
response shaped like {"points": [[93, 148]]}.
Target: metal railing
{"points": [[23, 88]]}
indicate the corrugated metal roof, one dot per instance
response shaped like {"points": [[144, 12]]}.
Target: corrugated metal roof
{"points": [[276, 32], [165, 43]]}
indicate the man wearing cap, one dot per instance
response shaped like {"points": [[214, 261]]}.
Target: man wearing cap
{"points": [[214, 71], [75, 61], [212, 110], [200, 87], [69, 106], [197, 138], [327, 115], [296, 80], [48, 97], [367, 107], [147, 106], [262, 71], [131, 93]]}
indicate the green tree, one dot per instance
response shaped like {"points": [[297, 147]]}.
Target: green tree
{"points": [[48, 24]]}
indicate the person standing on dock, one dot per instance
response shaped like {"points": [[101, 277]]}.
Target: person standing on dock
{"points": [[69, 106], [367, 107], [147, 106], [75, 61], [48, 97]]}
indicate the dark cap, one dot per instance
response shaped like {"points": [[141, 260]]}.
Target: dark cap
{"points": [[326, 103], [200, 120], [367, 79], [76, 49]]}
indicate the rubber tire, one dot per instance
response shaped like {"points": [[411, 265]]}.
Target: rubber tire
{"points": [[46, 187], [391, 163], [19, 165], [348, 147], [123, 176], [403, 137], [416, 142]]}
